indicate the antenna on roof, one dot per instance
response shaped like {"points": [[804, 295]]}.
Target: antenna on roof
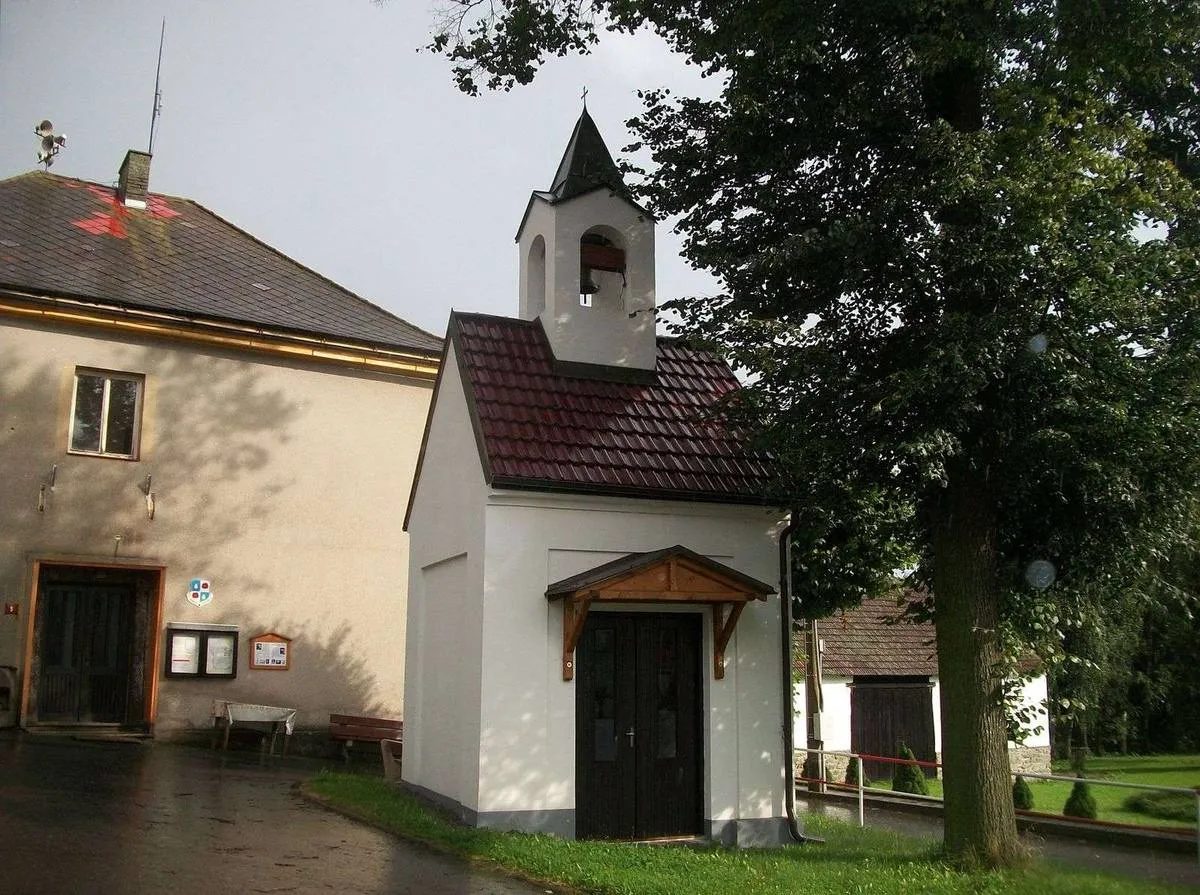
{"points": [[157, 93], [48, 142]]}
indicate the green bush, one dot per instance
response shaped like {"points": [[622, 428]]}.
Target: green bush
{"points": [[852, 774], [1081, 802], [908, 777], [1022, 794], [1163, 805]]}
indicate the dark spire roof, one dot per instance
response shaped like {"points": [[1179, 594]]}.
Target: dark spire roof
{"points": [[586, 164]]}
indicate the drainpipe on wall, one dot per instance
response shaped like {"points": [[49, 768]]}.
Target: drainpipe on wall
{"points": [[785, 621]]}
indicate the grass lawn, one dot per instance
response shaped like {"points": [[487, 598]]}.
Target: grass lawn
{"points": [[1157, 770], [851, 861], [1049, 796]]}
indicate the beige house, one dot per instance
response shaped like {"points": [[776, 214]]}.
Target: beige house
{"points": [[205, 453]]}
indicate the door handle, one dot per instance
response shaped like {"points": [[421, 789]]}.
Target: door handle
{"points": [[630, 733]]}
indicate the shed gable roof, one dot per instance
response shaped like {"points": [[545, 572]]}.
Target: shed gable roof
{"points": [[874, 640], [870, 640], [548, 426], [62, 237]]}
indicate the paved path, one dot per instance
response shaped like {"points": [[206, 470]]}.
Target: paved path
{"points": [[1167, 867], [133, 819]]}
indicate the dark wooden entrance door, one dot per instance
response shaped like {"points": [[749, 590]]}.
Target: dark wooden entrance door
{"points": [[886, 712], [638, 727], [85, 652]]}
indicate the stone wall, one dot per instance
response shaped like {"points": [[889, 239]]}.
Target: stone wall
{"points": [[835, 765], [1021, 759], [1029, 759]]}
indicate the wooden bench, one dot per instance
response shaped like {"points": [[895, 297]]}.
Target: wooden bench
{"points": [[388, 732]]}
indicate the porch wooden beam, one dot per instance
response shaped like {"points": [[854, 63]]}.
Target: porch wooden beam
{"points": [[575, 610], [665, 596], [722, 630]]}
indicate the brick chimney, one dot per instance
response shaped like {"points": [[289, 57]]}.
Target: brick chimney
{"points": [[133, 181]]}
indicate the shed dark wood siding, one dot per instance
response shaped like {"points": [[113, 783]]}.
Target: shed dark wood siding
{"points": [[885, 712]]}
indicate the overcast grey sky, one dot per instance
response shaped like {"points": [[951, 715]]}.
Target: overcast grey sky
{"points": [[316, 126]]}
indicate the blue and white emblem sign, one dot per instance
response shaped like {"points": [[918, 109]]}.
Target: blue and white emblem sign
{"points": [[200, 592]]}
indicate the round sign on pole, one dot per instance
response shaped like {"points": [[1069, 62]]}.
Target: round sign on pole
{"points": [[1040, 574]]}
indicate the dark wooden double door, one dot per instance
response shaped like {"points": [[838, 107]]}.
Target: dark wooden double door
{"points": [[639, 744], [885, 712], [86, 650]]}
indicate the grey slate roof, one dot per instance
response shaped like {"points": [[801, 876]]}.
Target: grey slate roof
{"points": [[63, 237]]}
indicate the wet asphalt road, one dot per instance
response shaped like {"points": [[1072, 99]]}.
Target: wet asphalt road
{"points": [[131, 819], [78, 818]]}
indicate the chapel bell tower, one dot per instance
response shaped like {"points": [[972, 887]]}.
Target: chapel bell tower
{"points": [[587, 260]]}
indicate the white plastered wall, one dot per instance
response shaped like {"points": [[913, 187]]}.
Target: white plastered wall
{"points": [[835, 717], [444, 671], [528, 711], [282, 482]]}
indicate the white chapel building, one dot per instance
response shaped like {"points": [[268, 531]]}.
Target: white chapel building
{"points": [[594, 628]]}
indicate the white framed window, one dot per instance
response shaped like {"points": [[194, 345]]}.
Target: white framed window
{"points": [[106, 413]]}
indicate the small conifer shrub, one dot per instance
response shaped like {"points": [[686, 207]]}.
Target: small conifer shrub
{"points": [[852, 774], [1081, 802], [1022, 794], [908, 776]]}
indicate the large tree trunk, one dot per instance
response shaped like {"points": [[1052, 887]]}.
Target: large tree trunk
{"points": [[980, 821]]}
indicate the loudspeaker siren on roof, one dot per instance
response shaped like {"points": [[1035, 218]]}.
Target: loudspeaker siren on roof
{"points": [[50, 142]]}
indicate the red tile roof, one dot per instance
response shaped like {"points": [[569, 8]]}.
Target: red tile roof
{"points": [[543, 425], [67, 238], [860, 641]]}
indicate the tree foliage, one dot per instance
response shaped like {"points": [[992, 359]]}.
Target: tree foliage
{"points": [[1129, 681], [957, 242]]}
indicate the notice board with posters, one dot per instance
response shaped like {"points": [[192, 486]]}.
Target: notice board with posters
{"points": [[270, 652], [200, 651]]}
